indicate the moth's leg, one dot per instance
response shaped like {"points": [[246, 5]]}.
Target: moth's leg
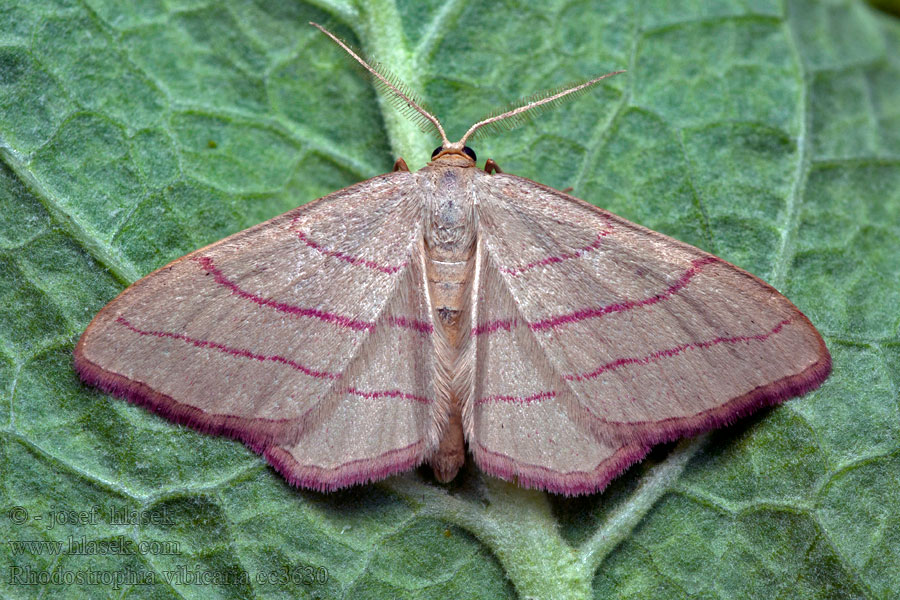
{"points": [[568, 190], [400, 165], [491, 167]]}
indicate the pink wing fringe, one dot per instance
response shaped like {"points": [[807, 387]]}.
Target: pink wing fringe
{"points": [[589, 482], [257, 434], [351, 473], [569, 484], [666, 430]]}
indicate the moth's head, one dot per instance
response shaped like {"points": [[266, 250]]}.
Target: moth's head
{"points": [[456, 154]]}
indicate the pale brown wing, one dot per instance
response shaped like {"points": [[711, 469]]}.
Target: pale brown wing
{"points": [[655, 338], [262, 335], [387, 417], [522, 421]]}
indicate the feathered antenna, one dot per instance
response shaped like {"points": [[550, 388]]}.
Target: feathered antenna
{"points": [[400, 94], [536, 103], [403, 98]]}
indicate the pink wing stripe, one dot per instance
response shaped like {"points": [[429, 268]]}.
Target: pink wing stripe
{"points": [[278, 359], [669, 352], [656, 356], [207, 264], [517, 399], [492, 326], [589, 313], [389, 394], [228, 350], [420, 326], [556, 259], [353, 260]]}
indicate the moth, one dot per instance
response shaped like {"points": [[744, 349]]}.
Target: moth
{"points": [[401, 319]]}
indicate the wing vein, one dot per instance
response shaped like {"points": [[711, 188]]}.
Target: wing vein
{"points": [[238, 352]]}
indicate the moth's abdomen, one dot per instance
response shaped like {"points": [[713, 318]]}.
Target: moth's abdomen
{"points": [[447, 283]]}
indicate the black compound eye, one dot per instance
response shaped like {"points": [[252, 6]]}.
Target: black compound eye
{"points": [[469, 152]]}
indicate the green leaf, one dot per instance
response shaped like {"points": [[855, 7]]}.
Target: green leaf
{"points": [[132, 133]]}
